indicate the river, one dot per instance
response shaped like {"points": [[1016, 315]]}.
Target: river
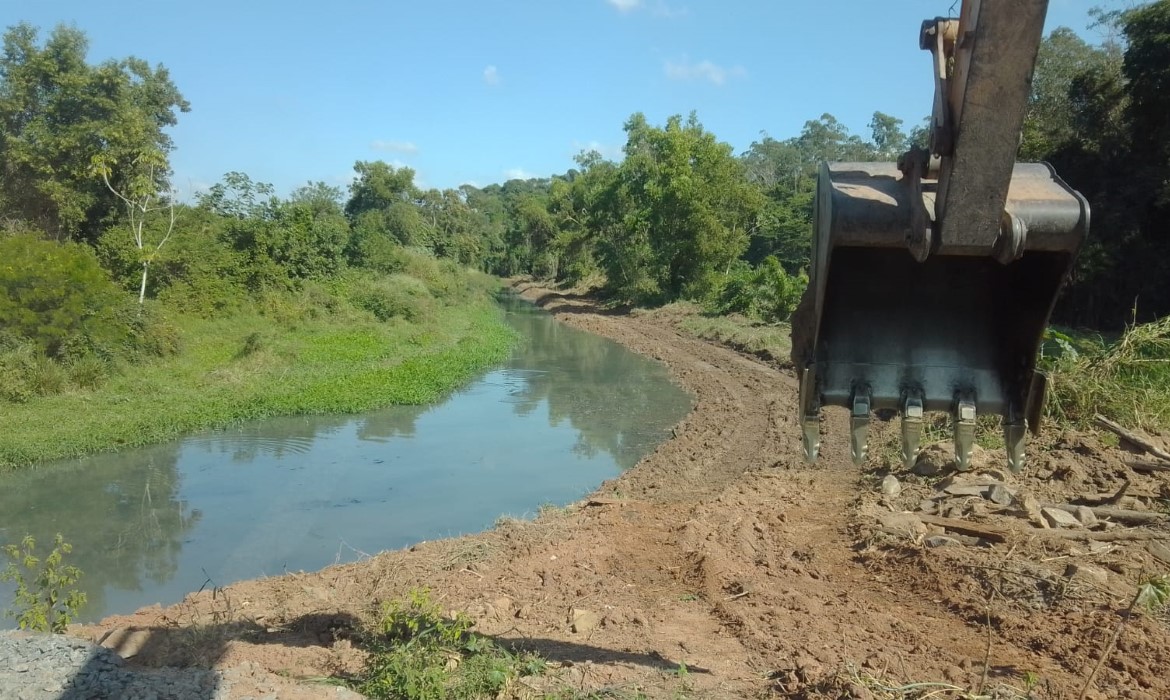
{"points": [[567, 411]]}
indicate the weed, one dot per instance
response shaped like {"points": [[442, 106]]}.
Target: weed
{"points": [[253, 343], [418, 654], [45, 600], [88, 372], [1125, 380]]}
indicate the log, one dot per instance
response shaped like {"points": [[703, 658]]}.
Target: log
{"points": [[1110, 499], [963, 527], [1147, 467], [1120, 515], [1130, 535], [1132, 437]]}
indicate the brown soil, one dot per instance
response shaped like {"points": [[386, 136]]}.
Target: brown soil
{"points": [[722, 550]]}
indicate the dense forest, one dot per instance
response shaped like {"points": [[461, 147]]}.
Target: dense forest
{"points": [[97, 259]]}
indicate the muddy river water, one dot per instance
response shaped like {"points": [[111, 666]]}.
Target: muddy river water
{"points": [[567, 411]]}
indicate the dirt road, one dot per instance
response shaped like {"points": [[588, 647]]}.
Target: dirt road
{"points": [[723, 553]]}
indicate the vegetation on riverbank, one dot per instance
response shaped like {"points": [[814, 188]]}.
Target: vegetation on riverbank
{"points": [[322, 350]]}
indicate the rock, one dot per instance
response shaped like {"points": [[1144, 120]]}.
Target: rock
{"points": [[941, 541], [891, 486], [1026, 505], [1058, 518], [930, 463], [1084, 572], [928, 506], [1159, 550], [940, 456], [1085, 516], [584, 621], [999, 494], [502, 606], [908, 523], [964, 489], [127, 642], [809, 669]]}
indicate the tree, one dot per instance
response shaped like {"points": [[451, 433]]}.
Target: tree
{"points": [[688, 210], [143, 182], [1063, 59], [888, 138], [57, 113], [319, 197]]}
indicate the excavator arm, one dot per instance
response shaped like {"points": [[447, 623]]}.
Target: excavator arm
{"points": [[933, 278]]}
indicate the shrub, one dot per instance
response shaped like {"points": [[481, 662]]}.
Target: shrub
{"points": [[395, 296], [54, 293], [766, 293], [88, 372], [45, 600]]}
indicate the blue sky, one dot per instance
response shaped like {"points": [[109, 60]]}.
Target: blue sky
{"points": [[480, 91]]}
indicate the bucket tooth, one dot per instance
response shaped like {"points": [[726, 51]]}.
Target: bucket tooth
{"points": [[1014, 433], [912, 412], [859, 425], [810, 420], [964, 432], [811, 429]]}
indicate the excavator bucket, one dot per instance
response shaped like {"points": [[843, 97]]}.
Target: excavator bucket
{"points": [[954, 333], [933, 278]]}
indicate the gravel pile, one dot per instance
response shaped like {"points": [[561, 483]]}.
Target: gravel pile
{"points": [[49, 667]]}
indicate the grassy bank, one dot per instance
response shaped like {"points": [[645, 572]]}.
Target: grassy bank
{"points": [[353, 344], [770, 341]]}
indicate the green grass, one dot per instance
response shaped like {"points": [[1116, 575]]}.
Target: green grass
{"points": [[772, 341], [283, 359], [1126, 379]]}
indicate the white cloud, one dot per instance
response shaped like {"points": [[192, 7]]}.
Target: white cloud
{"points": [[658, 9], [625, 5], [403, 147], [491, 75], [703, 70], [518, 174]]}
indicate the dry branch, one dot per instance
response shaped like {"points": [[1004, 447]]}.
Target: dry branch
{"points": [[1146, 467], [1121, 515], [1133, 437], [966, 528]]}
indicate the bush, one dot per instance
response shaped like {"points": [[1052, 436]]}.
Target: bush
{"points": [[53, 294], [395, 296], [766, 293], [88, 372]]}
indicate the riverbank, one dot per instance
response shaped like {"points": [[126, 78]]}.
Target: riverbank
{"points": [[359, 343], [723, 566]]}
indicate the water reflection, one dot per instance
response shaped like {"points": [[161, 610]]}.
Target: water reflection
{"points": [[124, 518], [567, 411]]}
